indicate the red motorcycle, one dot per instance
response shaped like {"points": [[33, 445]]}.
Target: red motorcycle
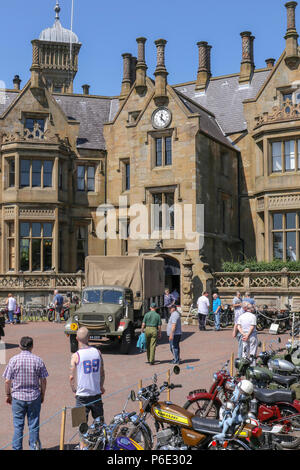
{"points": [[64, 313], [271, 407], [207, 404]]}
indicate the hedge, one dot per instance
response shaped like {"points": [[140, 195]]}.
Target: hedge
{"points": [[260, 266]]}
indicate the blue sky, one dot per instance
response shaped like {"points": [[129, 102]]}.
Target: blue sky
{"points": [[109, 28]]}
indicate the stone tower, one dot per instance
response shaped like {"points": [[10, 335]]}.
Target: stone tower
{"points": [[55, 56]]}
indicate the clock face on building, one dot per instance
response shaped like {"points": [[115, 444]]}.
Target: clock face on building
{"points": [[161, 118]]}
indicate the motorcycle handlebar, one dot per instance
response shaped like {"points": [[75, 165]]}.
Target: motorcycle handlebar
{"points": [[171, 386]]}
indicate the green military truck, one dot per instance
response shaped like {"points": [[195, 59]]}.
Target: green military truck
{"points": [[118, 292]]}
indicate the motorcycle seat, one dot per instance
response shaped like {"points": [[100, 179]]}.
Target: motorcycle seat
{"points": [[285, 379], [268, 396], [205, 425]]}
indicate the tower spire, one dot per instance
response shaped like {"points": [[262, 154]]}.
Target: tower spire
{"points": [[57, 11]]}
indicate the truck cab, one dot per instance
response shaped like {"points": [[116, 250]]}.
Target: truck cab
{"points": [[106, 311]]}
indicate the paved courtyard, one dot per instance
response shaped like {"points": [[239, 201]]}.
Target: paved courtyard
{"points": [[202, 354]]}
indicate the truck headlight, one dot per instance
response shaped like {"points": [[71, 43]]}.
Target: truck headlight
{"points": [[110, 318], [76, 317]]}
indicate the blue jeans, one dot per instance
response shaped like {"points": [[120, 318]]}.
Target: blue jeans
{"points": [[31, 409], [11, 316], [217, 321], [175, 349]]}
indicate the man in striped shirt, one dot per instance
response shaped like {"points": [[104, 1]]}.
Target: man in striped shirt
{"points": [[25, 386]]}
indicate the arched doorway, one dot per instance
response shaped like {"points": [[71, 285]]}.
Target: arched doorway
{"points": [[172, 274]]}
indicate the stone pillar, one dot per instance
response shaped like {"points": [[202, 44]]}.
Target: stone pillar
{"points": [[160, 73], [247, 64], [126, 82], [204, 69], [141, 67], [187, 285], [270, 63], [291, 37]]}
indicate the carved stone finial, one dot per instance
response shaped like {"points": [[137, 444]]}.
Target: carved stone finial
{"points": [[57, 11]]}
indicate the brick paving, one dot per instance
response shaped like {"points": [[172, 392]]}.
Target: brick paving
{"points": [[202, 353]]}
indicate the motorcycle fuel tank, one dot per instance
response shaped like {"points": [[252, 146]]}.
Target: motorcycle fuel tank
{"points": [[281, 365], [167, 412]]}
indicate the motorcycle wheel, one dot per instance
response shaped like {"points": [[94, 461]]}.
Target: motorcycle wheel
{"points": [[224, 321], [198, 407], [290, 440], [210, 320], [51, 315], [260, 325], [135, 432], [281, 327]]}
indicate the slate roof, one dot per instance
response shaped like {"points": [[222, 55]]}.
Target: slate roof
{"points": [[208, 122], [6, 98], [224, 98], [92, 113]]}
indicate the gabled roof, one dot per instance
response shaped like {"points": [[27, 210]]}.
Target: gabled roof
{"points": [[6, 99], [208, 122], [224, 98], [220, 108], [92, 113]]}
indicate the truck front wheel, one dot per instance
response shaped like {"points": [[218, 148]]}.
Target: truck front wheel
{"points": [[73, 343], [126, 340]]}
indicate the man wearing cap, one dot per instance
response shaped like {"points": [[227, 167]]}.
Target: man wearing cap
{"points": [[152, 327]]}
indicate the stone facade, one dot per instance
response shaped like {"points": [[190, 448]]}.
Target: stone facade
{"points": [[230, 144]]}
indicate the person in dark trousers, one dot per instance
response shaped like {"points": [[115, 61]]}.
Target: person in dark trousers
{"points": [[58, 304], [25, 387], [174, 333], [152, 327]]}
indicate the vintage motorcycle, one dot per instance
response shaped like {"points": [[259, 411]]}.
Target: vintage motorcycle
{"points": [[125, 432], [179, 429], [64, 314], [100, 436], [270, 407]]}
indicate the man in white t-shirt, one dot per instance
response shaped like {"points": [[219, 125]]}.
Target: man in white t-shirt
{"points": [[203, 310], [87, 365], [11, 304], [246, 325]]}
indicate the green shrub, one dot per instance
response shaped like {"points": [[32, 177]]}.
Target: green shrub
{"points": [[260, 266]]}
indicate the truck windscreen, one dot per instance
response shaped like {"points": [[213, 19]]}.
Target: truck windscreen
{"points": [[105, 296], [112, 297]]}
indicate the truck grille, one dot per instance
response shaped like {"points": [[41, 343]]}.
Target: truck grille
{"points": [[92, 318]]}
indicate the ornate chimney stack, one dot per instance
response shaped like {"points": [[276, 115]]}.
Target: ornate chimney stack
{"points": [[86, 89], [204, 71], [17, 82], [270, 63], [247, 64], [160, 73], [133, 63], [35, 67], [141, 67], [291, 37], [126, 82]]}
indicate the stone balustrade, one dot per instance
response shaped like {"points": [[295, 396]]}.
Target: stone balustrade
{"points": [[274, 288]]}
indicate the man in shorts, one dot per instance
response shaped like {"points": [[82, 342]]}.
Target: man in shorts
{"points": [[87, 365]]}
